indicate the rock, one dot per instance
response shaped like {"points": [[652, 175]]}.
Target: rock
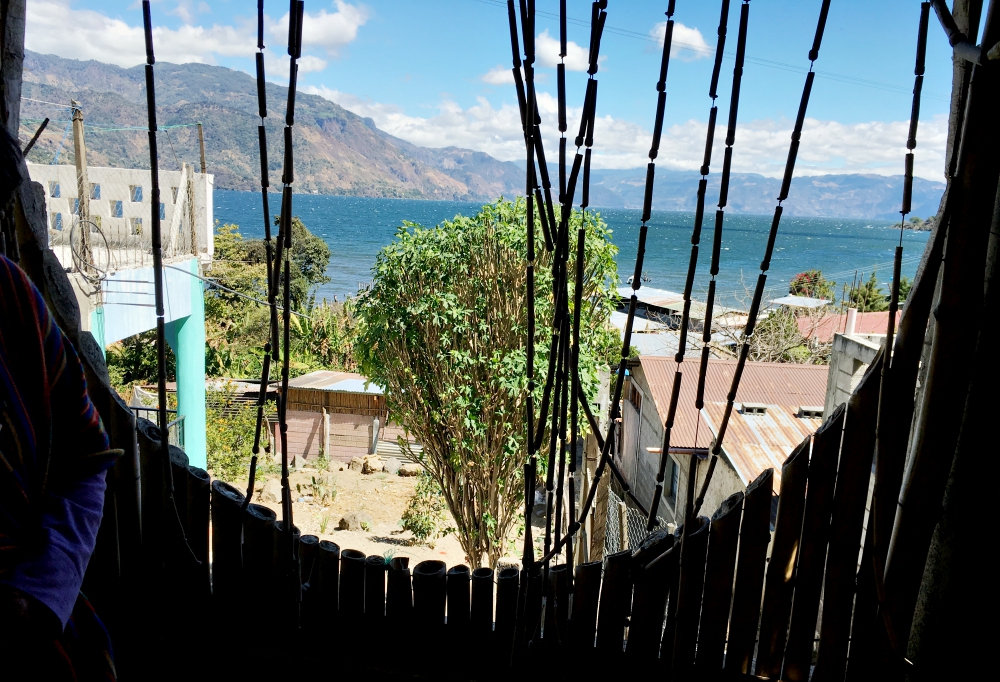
{"points": [[391, 466], [271, 492], [410, 470], [356, 521], [357, 464], [372, 465]]}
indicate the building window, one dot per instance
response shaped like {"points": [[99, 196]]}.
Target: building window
{"points": [[163, 211], [136, 225], [55, 191], [135, 193], [57, 221], [672, 487], [74, 206], [96, 219], [95, 191], [116, 209], [173, 193]]}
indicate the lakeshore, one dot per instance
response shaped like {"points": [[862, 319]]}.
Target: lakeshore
{"points": [[356, 228]]}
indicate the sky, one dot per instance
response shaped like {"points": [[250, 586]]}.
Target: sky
{"points": [[437, 72]]}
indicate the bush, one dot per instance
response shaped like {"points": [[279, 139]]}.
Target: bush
{"points": [[426, 515], [229, 434]]}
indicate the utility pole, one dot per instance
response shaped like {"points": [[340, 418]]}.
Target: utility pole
{"points": [[201, 145], [82, 181]]}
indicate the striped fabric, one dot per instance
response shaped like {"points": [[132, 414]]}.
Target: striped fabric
{"points": [[51, 437]]}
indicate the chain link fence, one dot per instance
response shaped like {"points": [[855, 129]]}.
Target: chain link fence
{"points": [[635, 525]]}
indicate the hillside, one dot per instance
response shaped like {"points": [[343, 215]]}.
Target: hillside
{"points": [[339, 152], [336, 151]]}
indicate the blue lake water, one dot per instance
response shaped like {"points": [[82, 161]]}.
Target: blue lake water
{"points": [[357, 227]]}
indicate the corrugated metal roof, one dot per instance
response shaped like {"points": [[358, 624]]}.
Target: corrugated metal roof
{"points": [[651, 296], [755, 442], [343, 382], [801, 301], [822, 330], [770, 383]]}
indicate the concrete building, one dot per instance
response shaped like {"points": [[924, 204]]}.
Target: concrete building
{"points": [[789, 394], [850, 356], [103, 240]]}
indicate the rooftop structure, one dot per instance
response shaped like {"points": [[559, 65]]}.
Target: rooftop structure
{"points": [[792, 301]]}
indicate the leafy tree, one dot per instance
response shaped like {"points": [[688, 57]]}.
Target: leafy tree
{"points": [[812, 283], [905, 284], [868, 297], [229, 434], [443, 330]]}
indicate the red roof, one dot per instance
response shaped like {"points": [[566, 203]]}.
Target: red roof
{"points": [[824, 328], [771, 383]]}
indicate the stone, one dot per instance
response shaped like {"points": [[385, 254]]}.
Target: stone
{"points": [[410, 470], [391, 466], [372, 464], [357, 464], [271, 492], [356, 521]]}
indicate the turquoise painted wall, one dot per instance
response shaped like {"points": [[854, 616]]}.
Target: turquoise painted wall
{"points": [[186, 337]]}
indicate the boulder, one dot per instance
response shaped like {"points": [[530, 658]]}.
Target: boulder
{"points": [[354, 521], [410, 470], [357, 464], [391, 466], [372, 464], [271, 492]]}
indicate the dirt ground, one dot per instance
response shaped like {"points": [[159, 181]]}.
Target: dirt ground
{"points": [[382, 496]]}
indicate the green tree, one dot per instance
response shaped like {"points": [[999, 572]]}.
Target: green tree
{"points": [[905, 284], [443, 330], [812, 283], [869, 297]]}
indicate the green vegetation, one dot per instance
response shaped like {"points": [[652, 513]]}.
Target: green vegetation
{"points": [[426, 515], [229, 434], [443, 330], [868, 297], [812, 283]]}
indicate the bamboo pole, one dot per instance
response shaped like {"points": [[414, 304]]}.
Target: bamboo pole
{"points": [[309, 562], [586, 597], [720, 566], [429, 595], [754, 538], [258, 557], [352, 587], [798, 655], [506, 614], [557, 606], [615, 604], [690, 583], [481, 606], [375, 568], [399, 592], [326, 585], [780, 581], [197, 504], [227, 539], [650, 593]]}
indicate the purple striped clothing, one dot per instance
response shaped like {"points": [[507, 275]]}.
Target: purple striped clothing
{"points": [[53, 452]]}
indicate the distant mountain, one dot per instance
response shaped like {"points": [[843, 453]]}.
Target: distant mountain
{"points": [[336, 151], [841, 196], [339, 152]]}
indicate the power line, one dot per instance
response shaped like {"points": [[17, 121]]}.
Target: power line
{"points": [[770, 63]]}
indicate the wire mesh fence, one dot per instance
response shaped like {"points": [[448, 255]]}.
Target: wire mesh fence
{"points": [[634, 525]]}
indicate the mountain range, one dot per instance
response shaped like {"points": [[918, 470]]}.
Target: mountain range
{"points": [[339, 152]]}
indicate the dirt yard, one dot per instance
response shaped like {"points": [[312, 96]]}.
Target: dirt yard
{"points": [[380, 495]]}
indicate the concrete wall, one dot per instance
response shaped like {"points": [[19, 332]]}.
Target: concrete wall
{"points": [[849, 359], [651, 436]]}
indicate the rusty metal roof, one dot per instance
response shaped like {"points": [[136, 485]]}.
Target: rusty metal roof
{"points": [[770, 383], [343, 382], [755, 442]]}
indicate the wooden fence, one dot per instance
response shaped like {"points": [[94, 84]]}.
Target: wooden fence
{"points": [[721, 607]]}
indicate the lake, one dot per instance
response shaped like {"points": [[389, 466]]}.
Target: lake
{"points": [[357, 227]]}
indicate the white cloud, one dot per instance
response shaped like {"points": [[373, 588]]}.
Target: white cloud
{"points": [[498, 75], [686, 43], [113, 41], [547, 53], [330, 31], [761, 146]]}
